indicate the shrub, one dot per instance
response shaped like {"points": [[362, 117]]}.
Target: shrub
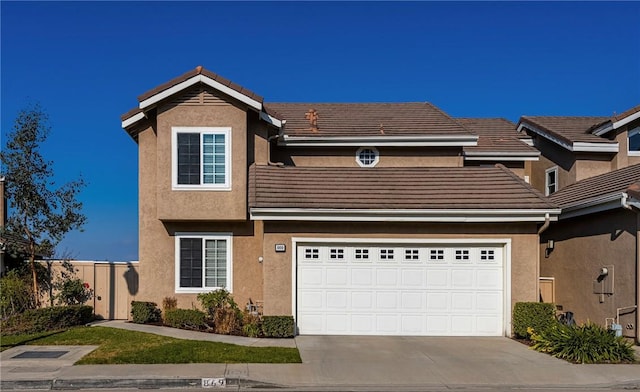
{"points": [[74, 292], [252, 325], [15, 295], [144, 312], [588, 343], [169, 303], [186, 319], [223, 310], [47, 319], [278, 326], [536, 316]]}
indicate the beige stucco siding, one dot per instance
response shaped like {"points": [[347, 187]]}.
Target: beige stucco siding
{"points": [[582, 246], [388, 157], [202, 204], [590, 165], [278, 266], [623, 159]]}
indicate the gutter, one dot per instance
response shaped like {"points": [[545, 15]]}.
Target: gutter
{"points": [[633, 204], [269, 139], [377, 141]]}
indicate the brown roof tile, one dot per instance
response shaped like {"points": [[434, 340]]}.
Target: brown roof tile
{"points": [[633, 110], [568, 129], [496, 135], [366, 119], [194, 72], [594, 187], [391, 188]]}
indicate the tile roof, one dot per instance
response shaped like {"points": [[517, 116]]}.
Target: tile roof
{"points": [[366, 119], [633, 110], [595, 187], [568, 129], [496, 135], [464, 188]]}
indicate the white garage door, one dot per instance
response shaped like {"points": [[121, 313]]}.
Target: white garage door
{"points": [[400, 289]]}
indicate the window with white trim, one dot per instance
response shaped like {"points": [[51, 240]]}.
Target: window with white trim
{"points": [[362, 254], [411, 254], [336, 253], [462, 254], [201, 158], [311, 253], [633, 142], [436, 254], [367, 156], [386, 254], [203, 262], [487, 255], [551, 180]]}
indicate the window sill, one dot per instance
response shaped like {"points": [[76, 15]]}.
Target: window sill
{"points": [[197, 290], [225, 188]]}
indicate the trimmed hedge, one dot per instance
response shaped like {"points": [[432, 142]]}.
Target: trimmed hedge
{"points": [[186, 319], [278, 326], [47, 319], [145, 312], [536, 316]]}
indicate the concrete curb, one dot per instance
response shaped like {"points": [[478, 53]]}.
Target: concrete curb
{"points": [[118, 383]]}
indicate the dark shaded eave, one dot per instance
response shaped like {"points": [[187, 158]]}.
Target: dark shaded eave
{"points": [[565, 128]]}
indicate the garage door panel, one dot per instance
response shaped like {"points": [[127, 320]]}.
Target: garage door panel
{"points": [[413, 289]]}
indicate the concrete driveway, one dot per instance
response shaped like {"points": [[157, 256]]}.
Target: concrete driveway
{"points": [[442, 361]]}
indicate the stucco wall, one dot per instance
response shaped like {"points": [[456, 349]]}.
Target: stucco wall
{"points": [[202, 205], [278, 266], [623, 159], [582, 246], [389, 157], [552, 155]]}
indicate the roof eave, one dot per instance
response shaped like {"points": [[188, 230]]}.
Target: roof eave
{"points": [[403, 215], [375, 141], [501, 156], [572, 146], [593, 205]]}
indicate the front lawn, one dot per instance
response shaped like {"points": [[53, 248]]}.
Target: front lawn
{"points": [[119, 346]]}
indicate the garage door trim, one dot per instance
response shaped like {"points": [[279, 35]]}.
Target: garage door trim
{"points": [[505, 243]]}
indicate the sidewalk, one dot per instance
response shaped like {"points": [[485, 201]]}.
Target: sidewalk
{"points": [[329, 363]]}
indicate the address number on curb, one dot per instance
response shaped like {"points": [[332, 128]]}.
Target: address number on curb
{"points": [[214, 382]]}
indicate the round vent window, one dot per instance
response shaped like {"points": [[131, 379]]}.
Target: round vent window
{"points": [[367, 156]]}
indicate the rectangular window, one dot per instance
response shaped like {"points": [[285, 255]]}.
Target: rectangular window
{"points": [[311, 253], [411, 254], [386, 254], [203, 263], [201, 158], [462, 255], [362, 254], [436, 254], [551, 180], [335, 253], [634, 142], [487, 255]]}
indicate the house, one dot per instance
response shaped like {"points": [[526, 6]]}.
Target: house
{"points": [[590, 167], [363, 218]]}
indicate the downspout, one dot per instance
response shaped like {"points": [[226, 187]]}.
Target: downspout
{"points": [[545, 226], [269, 139], [628, 205]]}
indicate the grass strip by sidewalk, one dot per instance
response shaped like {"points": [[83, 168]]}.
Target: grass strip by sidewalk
{"points": [[119, 346]]}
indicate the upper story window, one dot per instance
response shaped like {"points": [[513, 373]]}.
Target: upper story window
{"points": [[201, 158], [551, 180], [367, 156], [634, 142]]}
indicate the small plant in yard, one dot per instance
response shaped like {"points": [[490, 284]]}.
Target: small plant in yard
{"points": [[532, 315], [74, 292], [252, 325], [278, 326], [588, 343], [191, 319], [169, 303], [15, 295], [223, 310], [47, 319], [144, 312]]}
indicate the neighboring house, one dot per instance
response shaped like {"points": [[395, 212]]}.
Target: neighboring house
{"points": [[369, 219], [587, 167]]}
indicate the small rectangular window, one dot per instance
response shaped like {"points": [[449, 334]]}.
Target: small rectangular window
{"points": [[411, 254], [201, 158], [634, 142], [487, 255], [311, 253], [386, 254], [436, 254], [462, 254], [335, 253], [551, 181], [202, 262], [362, 254]]}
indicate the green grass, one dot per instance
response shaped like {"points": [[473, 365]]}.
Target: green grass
{"points": [[117, 346]]}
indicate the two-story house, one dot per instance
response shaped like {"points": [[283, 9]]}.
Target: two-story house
{"points": [[366, 218], [590, 257]]}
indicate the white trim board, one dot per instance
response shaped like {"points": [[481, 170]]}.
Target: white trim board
{"points": [[575, 146], [379, 141]]}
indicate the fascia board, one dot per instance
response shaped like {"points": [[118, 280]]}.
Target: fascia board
{"points": [[593, 205], [375, 141], [200, 79], [461, 216], [603, 129], [595, 147], [270, 119], [626, 120], [575, 146], [489, 157], [132, 120]]}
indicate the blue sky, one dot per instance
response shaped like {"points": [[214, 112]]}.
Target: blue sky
{"points": [[86, 62]]}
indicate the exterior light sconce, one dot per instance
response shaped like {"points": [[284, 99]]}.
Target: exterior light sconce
{"points": [[260, 259], [550, 246]]}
